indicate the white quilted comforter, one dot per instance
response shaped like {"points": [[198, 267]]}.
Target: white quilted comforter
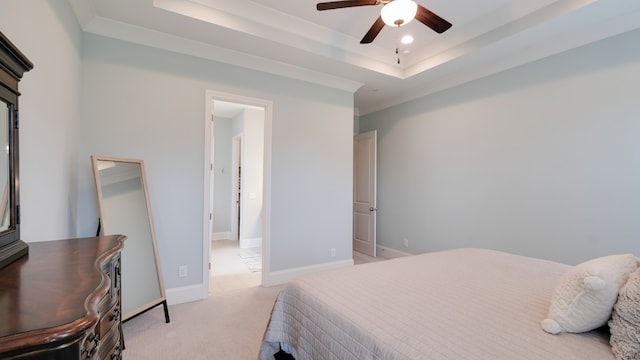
{"points": [[453, 305]]}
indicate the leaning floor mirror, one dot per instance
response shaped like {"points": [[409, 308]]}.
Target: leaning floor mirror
{"points": [[123, 200]]}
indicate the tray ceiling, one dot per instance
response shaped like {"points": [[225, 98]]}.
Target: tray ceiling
{"points": [[293, 39]]}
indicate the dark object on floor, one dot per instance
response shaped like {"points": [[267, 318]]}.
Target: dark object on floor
{"points": [[281, 355]]}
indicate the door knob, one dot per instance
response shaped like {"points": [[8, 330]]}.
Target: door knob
{"points": [[373, 209]]}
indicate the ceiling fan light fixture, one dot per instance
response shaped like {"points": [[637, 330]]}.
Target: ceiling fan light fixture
{"points": [[399, 12]]}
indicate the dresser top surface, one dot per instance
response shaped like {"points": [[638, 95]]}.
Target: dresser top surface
{"points": [[51, 288]]}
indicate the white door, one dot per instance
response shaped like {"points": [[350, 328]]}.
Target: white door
{"points": [[364, 192]]}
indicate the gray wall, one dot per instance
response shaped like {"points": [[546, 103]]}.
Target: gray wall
{"points": [[145, 103], [48, 34], [92, 95], [542, 160]]}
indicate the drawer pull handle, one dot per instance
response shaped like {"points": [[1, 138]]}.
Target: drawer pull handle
{"points": [[95, 339], [117, 353], [115, 315], [118, 272]]}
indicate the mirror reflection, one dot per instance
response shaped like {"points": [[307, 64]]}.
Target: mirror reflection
{"points": [[5, 201]]}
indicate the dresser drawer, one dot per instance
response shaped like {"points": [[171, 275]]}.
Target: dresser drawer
{"points": [[90, 345], [111, 345], [112, 269], [115, 352], [109, 320], [104, 338]]}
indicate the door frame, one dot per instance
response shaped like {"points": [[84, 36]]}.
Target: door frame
{"points": [[236, 161], [210, 97]]}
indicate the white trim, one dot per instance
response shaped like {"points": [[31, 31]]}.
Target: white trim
{"points": [[221, 235], [389, 253], [207, 195], [284, 276], [210, 97], [184, 294], [147, 37]]}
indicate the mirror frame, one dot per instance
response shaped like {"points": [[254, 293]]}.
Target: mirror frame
{"points": [[152, 302], [13, 64]]}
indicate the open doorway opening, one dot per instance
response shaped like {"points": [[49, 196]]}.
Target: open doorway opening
{"points": [[237, 201]]}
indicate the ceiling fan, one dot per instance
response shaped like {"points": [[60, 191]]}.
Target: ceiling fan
{"points": [[393, 13]]}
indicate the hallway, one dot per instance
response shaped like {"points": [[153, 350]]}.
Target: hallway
{"points": [[228, 271]]}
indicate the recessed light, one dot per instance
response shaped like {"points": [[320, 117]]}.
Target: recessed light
{"points": [[407, 39], [406, 52]]}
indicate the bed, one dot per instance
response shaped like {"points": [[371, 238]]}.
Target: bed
{"points": [[459, 304]]}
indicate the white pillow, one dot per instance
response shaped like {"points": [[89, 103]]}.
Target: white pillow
{"points": [[584, 296]]}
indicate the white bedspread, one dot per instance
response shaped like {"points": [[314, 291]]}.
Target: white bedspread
{"points": [[454, 305]]}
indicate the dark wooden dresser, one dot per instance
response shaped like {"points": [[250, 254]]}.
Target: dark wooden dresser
{"points": [[62, 301]]}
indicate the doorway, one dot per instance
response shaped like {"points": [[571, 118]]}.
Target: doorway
{"points": [[237, 239], [364, 192]]}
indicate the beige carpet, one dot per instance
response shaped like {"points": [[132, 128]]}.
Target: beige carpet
{"points": [[228, 325], [224, 326]]}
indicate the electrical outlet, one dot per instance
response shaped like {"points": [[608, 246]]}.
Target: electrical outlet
{"points": [[182, 271], [333, 252], [405, 242]]}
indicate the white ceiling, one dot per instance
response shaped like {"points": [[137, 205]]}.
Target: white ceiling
{"points": [[291, 38]]}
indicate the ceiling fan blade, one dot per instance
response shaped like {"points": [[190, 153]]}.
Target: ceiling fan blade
{"points": [[432, 20], [344, 4], [373, 31]]}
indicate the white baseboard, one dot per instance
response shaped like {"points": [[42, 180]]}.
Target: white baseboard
{"points": [[283, 276], [184, 294], [389, 253], [191, 293], [222, 235], [249, 243]]}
